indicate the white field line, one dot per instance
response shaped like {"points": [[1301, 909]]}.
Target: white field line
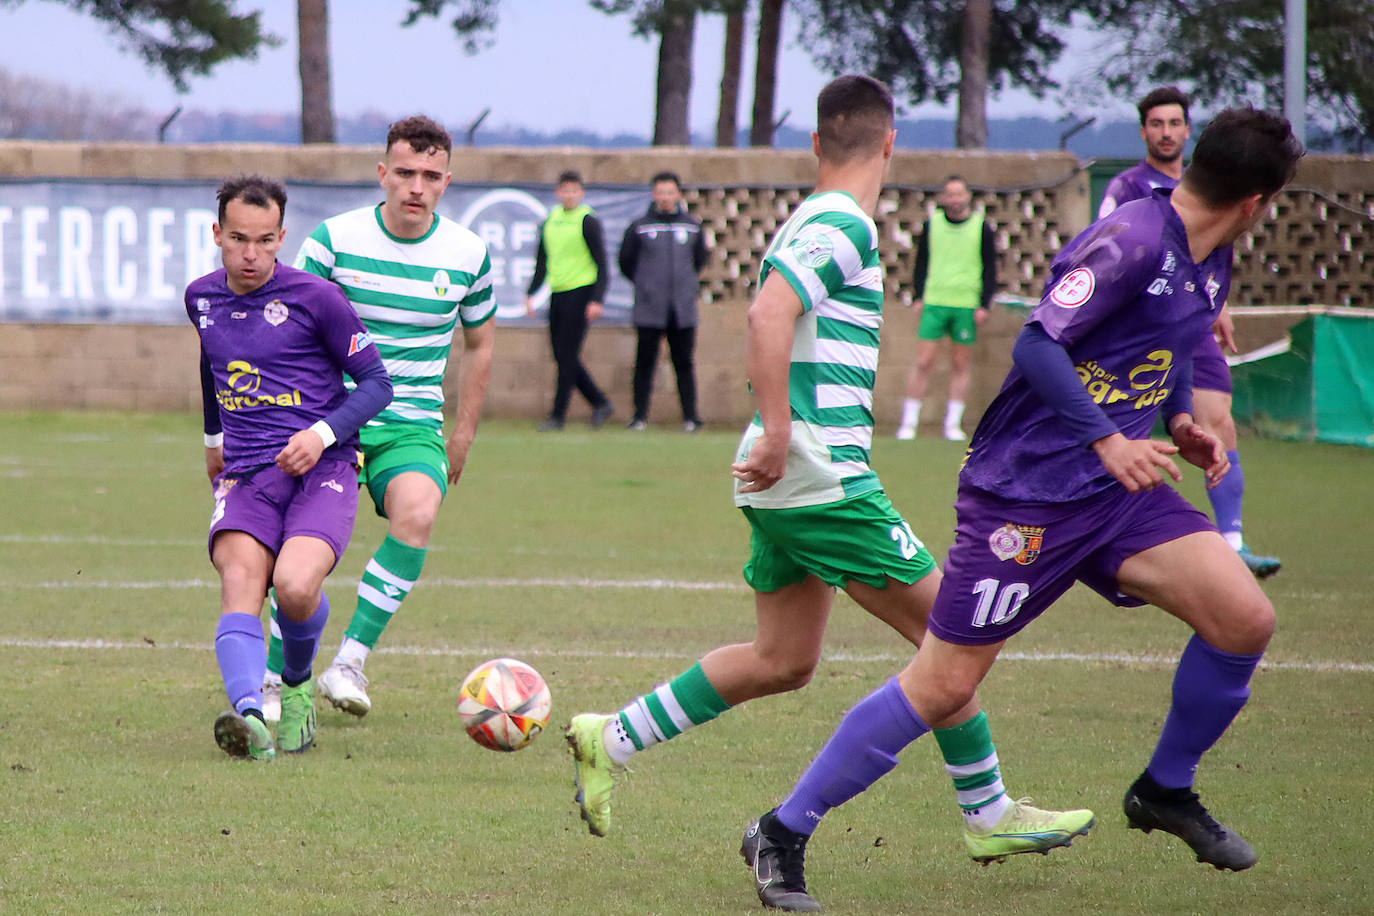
{"points": [[649, 584], [1083, 658]]}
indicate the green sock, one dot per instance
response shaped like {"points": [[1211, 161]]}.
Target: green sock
{"points": [[388, 578], [688, 699], [971, 761], [275, 661]]}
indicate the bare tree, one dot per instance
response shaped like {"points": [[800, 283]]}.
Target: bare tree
{"points": [[677, 31], [727, 118], [766, 72], [317, 101], [971, 129]]}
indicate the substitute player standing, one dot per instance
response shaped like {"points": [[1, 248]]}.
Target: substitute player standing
{"points": [[1165, 129], [281, 446], [818, 514], [1062, 484], [413, 276]]}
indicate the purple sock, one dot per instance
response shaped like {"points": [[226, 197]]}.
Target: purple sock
{"points": [[861, 751], [1210, 687], [1226, 496], [240, 651], [299, 641]]}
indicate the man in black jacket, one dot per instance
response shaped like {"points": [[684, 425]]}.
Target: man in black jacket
{"points": [[662, 253]]}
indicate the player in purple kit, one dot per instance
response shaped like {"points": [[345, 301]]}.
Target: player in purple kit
{"points": [[1164, 127], [1062, 484], [281, 447]]}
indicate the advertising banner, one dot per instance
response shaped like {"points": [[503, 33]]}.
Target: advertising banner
{"points": [[97, 251]]}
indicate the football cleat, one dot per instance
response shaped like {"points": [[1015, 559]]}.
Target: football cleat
{"points": [[245, 737], [906, 433], [593, 770], [1263, 567], [1024, 828], [271, 701], [1188, 820], [345, 686], [776, 856], [296, 731], [954, 434]]}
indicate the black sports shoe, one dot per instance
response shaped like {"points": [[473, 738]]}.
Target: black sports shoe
{"points": [[601, 414], [775, 854], [1186, 818]]}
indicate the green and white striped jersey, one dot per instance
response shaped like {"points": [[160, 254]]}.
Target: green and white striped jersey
{"points": [[409, 293], [828, 252]]}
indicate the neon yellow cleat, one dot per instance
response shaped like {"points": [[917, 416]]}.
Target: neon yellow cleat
{"points": [[243, 736], [1024, 828], [296, 731], [594, 772]]}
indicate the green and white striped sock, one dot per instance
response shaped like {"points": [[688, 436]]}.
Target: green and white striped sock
{"points": [[388, 578], [971, 761], [687, 700]]}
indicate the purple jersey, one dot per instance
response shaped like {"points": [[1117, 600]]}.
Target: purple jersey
{"points": [[1128, 304], [277, 357], [1140, 180]]}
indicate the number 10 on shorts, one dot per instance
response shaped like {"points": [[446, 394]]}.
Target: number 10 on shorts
{"points": [[998, 604]]}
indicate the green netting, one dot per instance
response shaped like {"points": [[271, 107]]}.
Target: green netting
{"points": [[1320, 387]]}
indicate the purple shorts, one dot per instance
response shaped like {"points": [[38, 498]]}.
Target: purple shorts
{"points": [[272, 506], [1012, 560], [1209, 367]]}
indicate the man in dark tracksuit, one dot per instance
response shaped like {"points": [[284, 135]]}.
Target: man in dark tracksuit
{"points": [[572, 254], [662, 253]]}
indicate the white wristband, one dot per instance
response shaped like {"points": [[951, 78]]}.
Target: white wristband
{"points": [[321, 428], [215, 440]]}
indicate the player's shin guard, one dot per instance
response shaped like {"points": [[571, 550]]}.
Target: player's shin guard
{"points": [[1210, 687], [300, 639], [862, 750], [238, 648]]}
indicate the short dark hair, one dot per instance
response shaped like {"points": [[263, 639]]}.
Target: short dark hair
{"points": [[853, 115], [667, 176], [252, 189], [1164, 95], [959, 178], [570, 176], [422, 133], [1242, 151]]}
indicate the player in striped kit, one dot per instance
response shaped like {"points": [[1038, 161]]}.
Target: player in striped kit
{"points": [[819, 516], [414, 277]]}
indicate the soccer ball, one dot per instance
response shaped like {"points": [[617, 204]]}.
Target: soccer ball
{"points": [[504, 704]]}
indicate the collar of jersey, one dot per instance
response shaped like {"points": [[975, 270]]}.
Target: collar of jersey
{"points": [[434, 224]]}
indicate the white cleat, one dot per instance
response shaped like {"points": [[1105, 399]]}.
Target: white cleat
{"points": [[906, 433], [345, 686], [271, 702], [954, 434]]}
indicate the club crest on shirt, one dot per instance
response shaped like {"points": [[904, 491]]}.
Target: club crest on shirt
{"points": [[359, 341], [813, 250], [1075, 289], [1017, 542], [441, 282], [202, 304], [275, 312]]}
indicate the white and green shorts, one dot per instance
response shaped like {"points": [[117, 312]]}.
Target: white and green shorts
{"points": [[861, 538]]}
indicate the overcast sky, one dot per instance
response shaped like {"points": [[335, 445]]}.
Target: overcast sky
{"points": [[555, 64]]}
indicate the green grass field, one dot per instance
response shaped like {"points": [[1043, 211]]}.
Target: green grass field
{"points": [[611, 561]]}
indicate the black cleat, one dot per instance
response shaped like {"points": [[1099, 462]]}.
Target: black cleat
{"points": [[1187, 819], [775, 855], [601, 414]]}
